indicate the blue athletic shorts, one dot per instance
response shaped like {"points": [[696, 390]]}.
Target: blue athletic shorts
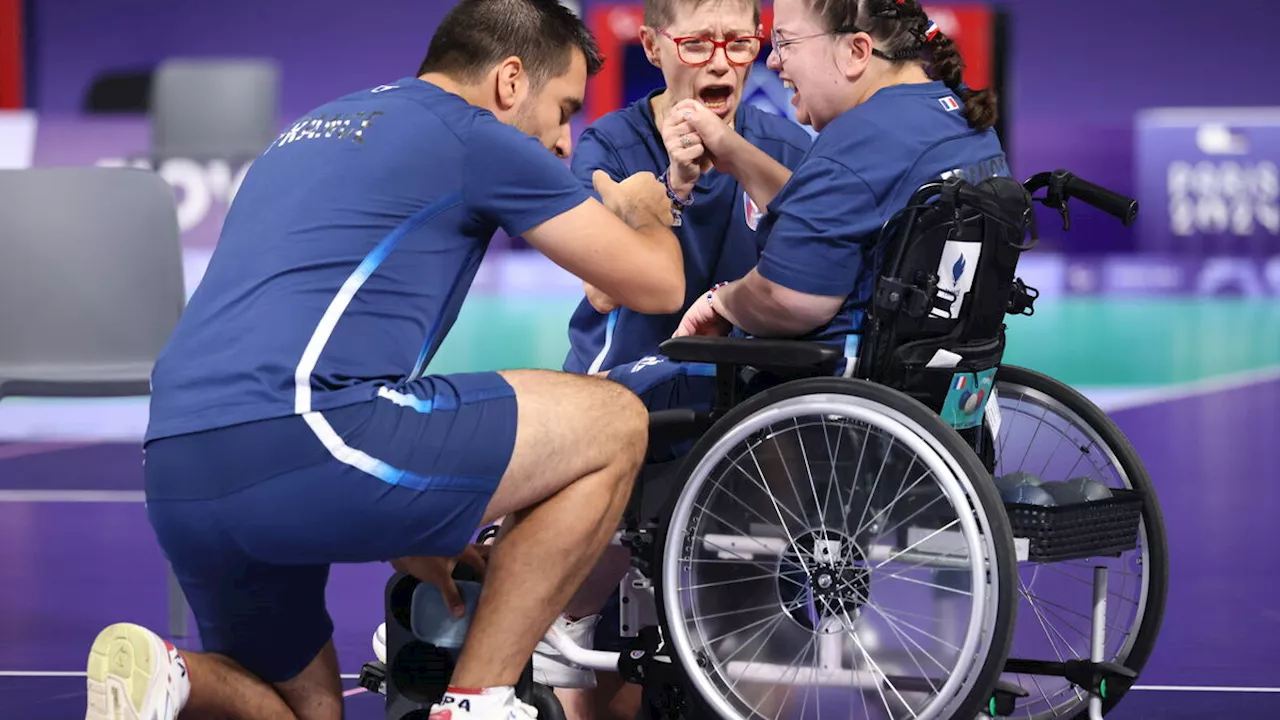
{"points": [[664, 384], [252, 516]]}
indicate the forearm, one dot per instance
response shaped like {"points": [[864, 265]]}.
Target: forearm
{"points": [[654, 270], [760, 175], [749, 306]]}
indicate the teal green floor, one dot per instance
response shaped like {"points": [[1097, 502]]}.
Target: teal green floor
{"points": [[1083, 342], [1117, 352]]}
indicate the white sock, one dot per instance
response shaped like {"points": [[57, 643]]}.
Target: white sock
{"points": [[179, 678], [478, 701]]}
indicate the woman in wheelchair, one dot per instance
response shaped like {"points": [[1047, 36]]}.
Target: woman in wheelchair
{"points": [[884, 87], [836, 546]]}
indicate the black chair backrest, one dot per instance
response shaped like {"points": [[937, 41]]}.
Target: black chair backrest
{"points": [[947, 282]]}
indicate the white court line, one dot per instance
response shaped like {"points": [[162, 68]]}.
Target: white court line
{"points": [[1205, 688], [1196, 388], [72, 496]]}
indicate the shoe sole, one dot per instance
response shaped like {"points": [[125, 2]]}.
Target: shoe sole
{"points": [[123, 664]]}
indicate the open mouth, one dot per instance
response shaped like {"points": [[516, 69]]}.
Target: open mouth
{"points": [[716, 98], [795, 94]]}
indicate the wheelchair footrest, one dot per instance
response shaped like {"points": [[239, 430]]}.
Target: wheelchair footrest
{"points": [[373, 677], [1100, 678], [1004, 699], [646, 661], [1097, 678], [1097, 528]]}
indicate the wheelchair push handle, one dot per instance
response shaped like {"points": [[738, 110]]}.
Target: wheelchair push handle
{"points": [[1063, 185], [1122, 208]]}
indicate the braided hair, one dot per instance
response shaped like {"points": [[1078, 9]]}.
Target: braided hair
{"points": [[904, 33]]}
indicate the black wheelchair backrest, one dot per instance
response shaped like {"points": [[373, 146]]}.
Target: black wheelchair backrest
{"points": [[947, 281]]}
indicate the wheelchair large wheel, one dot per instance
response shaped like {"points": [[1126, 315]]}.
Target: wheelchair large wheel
{"points": [[800, 562], [1048, 429]]}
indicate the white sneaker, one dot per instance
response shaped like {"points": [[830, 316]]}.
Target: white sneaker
{"points": [[491, 704], [552, 670], [134, 674], [380, 643]]}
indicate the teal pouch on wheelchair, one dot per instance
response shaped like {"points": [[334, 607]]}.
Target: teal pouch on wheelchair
{"points": [[967, 398], [954, 380]]}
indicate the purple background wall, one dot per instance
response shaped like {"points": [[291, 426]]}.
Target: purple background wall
{"points": [[325, 47], [1078, 71]]}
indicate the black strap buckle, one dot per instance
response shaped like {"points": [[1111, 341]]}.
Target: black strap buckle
{"points": [[916, 300], [1022, 298]]}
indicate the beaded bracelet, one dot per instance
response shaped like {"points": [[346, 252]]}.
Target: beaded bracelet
{"points": [[677, 205], [712, 291]]}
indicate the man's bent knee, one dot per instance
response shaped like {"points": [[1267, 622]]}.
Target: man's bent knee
{"points": [[633, 425]]}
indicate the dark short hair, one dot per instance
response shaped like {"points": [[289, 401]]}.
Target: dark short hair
{"points": [[478, 34], [660, 13]]}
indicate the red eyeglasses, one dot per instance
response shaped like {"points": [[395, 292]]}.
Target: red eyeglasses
{"points": [[698, 50]]}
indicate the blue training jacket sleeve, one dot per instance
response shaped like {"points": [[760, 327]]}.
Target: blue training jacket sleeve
{"points": [[815, 244], [510, 179], [592, 152]]}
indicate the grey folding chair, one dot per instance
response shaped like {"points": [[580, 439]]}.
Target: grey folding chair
{"points": [[214, 108], [91, 286]]}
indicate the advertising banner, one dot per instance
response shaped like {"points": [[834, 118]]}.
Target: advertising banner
{"points": [[1149, 276], [1209, 181]]}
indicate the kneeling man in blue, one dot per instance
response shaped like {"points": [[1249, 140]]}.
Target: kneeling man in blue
{"points": [[294, 423]]}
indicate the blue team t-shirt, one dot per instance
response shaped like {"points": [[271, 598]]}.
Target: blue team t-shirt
{"points": [[717, 236], [347, 253], [821, 228]]}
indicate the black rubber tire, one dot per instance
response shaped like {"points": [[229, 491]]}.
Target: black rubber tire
{"points": [[544, 700], [1006, 559], [1157, 569]]}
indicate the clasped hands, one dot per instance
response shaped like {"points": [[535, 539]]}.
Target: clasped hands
{"points": [[691, 134]]}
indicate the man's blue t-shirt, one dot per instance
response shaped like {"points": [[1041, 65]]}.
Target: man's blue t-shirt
{"points": [[717, 236], [821, 228], [347, 253]]}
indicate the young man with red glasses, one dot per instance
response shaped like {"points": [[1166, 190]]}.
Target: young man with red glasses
{"points": [[705, 50]]}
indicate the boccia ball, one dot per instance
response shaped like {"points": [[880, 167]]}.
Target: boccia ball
{"points": [[1089, 489], [1024, 488], [1015, 479], [1064, 493]]}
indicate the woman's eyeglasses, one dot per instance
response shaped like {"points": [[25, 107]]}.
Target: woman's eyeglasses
{"points": [[698, 50]]}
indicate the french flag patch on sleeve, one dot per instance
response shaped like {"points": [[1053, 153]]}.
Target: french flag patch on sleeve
{"points": [[949, 103]]}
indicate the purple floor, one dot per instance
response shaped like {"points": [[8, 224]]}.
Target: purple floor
{"points": [[75, 562]]}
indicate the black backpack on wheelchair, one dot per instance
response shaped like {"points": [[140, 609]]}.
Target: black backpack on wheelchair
{"points": [[935, 328]]}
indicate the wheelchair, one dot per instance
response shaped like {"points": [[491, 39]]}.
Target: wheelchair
{"points": [[838, 542]]}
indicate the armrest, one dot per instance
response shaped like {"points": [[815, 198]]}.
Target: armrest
{"points": [[760, 353], [667, 427], [664, 419]]}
